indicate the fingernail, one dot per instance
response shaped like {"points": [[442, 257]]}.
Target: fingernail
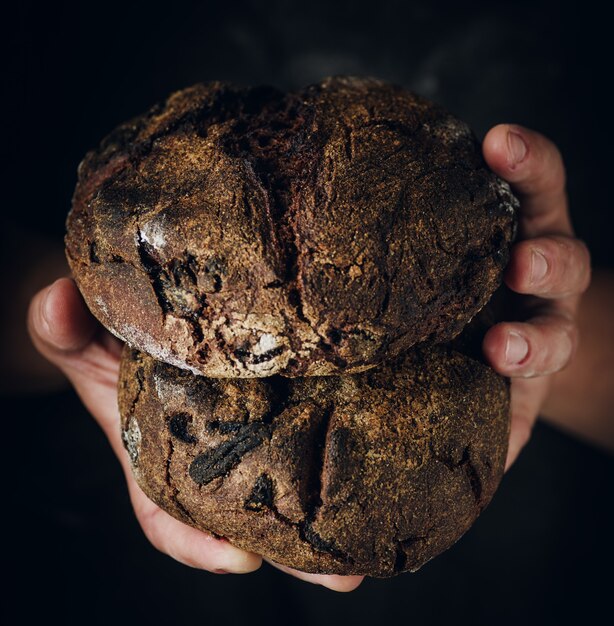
{"points": [[220, 571], [516, 147], [516, 348], [43, 309], [539, 266]]}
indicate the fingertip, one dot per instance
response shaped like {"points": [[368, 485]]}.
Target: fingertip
{"points": [[526, 159], [538, 347], [497, 149], [36, 323], [506, 348], [551, 267], [534, 167], [529, 268], [493, 346], [518, 271], [60, 318], [516, 352]]}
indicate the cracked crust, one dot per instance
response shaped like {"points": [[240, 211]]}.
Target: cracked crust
{"points": [[373, 473], [247, 232]]}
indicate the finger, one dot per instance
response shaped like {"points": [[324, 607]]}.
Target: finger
{"points": [[550, 267], [541, 346], [331, 581], [187, 544], [527, 396], [533, 166], [64, 331], [59, 318]]}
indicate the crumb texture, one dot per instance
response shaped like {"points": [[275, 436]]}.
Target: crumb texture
{"points": [[247, 232], [373, 473]]}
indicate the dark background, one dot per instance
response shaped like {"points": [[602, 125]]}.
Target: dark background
{"points": [[542, 552]]}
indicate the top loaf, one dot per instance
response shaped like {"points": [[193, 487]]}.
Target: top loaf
{"points": [[246, 232]]}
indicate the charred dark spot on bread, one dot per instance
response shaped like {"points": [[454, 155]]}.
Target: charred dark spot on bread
{"points": [[261, 496], [179, 427], [221, 459]]}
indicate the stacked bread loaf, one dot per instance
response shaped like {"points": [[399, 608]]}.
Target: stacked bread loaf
{"points": [[289, 272]]}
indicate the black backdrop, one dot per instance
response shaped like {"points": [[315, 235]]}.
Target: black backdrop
{"points": [[541, 553]]}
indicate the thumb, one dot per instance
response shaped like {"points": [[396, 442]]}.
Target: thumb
{"points": [[65, 332], [59, 322]]}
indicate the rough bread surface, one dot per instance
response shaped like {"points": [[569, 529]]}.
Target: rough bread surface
{"points": [[373, 473], [246, 232]]}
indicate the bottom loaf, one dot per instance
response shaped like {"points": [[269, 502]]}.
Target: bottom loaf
{"points": [[372, 473]]}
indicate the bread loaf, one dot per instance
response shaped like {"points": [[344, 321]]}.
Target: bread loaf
{"points": [[249, 232], [371, 473], [284, 268]]}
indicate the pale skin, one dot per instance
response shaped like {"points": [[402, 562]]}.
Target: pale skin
{"points": [[548, 270]]}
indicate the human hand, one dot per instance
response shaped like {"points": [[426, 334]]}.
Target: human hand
{"points": [[548, 270], [64, 331]]}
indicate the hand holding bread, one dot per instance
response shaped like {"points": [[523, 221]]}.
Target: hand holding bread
{"points": [[68, 336]]}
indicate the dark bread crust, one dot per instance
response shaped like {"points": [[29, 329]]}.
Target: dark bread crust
{"points": [[373, 473], [248, 232]]}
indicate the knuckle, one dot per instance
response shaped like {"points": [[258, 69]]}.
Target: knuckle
{"points": [[584, 265], [568, 266], [573, 338], [586, 281], [552, 344], [562, 265], [583, 251], [552, 166], [547, 174], [557, 177], [562, 345]]}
